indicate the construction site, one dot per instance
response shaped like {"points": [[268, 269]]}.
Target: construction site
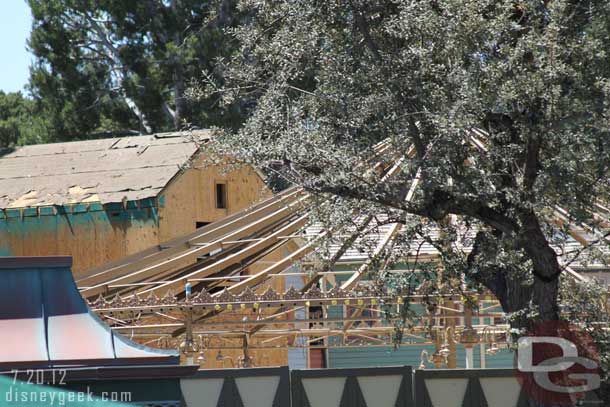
{"points": [[280, 203], [228, 273]]}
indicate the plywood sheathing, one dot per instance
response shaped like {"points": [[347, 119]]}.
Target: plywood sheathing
{"points": [[108, 170], [66, 180], [193, 196]]}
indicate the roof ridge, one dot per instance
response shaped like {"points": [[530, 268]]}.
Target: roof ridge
{"points": [[134, 168]]}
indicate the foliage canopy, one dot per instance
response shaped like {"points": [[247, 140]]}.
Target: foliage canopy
{"points": [[19, 122], [116, 67], [327, 80]]}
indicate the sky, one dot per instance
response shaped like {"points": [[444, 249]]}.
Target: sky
{"points": [[15, 22]]}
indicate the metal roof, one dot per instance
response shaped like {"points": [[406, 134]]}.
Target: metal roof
{"points": [[363, 247], [44, 321], [105, 170]]}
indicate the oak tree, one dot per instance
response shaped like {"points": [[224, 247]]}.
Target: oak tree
{"points": [[500, 109]]}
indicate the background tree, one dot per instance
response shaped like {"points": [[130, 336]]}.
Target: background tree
{"points": [[112, 66], [326, 80], [19, 123]]}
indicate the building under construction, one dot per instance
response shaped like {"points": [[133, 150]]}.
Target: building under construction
{"points": [[175, 254]]}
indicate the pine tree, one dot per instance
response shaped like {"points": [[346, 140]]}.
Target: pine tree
{"points": [[116, 66]]}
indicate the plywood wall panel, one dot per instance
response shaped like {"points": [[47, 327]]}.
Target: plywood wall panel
{"points": [[191, 197], [95, 235], [92, 238]]}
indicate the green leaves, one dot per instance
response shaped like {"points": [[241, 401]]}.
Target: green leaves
{"points": [[505, 104], [116, 66], [19, 123]]}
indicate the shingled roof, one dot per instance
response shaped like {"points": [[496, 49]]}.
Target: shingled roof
{"points": [[104, 170]]}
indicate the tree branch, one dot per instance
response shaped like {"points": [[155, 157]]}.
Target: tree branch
{"points": [[118, 67], [438, 205], [531, 162], [365, 30]]}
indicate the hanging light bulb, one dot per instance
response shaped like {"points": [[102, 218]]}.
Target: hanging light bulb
{"points": [[423, 357], [444, 350], [493, 349]]}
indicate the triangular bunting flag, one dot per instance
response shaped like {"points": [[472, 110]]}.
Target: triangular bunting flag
{"points": [[229, 395], [591, 399], [405, 395], [474, 396], [524, 400], [421, 392], [352, 395], [299, 397], [282, 397]]}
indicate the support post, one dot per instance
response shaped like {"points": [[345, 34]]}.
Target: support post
{"points": [[469, 337], [450, 324], [187, 348], [437, 358], [469, 358]]}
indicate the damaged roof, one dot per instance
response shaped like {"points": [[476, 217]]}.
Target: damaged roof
{"points": [[104, 170]]}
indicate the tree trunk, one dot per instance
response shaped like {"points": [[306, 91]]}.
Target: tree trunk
{"points": [[179, 112], [117, 69], [546, 268], [544, 297], [510, 286], [515, 296], [179, 89], [133, 106]]}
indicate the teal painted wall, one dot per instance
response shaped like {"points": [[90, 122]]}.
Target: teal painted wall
{"points": [[376, 356], [93, 234], [408, 355], [503, 359], [405, 355]]}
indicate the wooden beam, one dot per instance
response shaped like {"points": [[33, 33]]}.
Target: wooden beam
{"points": [[168, 263], [390, 234], [181, 247], [235, 258]]}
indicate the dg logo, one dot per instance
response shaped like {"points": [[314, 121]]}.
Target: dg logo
{"points": [[557, 363]]}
